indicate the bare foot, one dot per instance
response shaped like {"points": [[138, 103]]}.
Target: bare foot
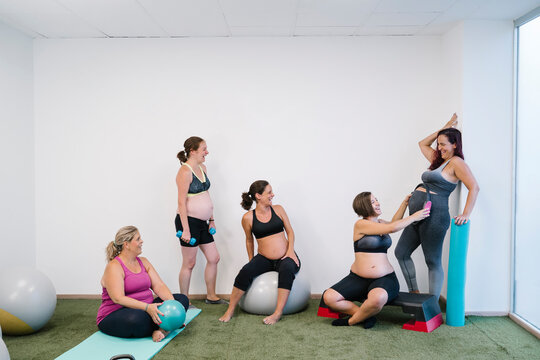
{"points": [[159, 335], [272, 319], [227, 316]]}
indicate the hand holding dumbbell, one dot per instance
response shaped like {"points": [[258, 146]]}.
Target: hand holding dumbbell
{"points": [[191, 242]]}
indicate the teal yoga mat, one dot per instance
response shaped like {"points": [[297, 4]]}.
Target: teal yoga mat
{"points": [[457, 266], [102, 347]]}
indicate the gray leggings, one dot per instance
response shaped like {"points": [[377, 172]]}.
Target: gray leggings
{"points": [[429, 233]]}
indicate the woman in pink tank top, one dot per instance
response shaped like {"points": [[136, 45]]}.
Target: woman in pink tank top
{"points": [[128, 308]]}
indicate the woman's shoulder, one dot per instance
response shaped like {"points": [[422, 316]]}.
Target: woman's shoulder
{"points": [[146, 262], [184, 173], [184, 168], [358, 223], [248, 215], [456, 160], [114, 266]]}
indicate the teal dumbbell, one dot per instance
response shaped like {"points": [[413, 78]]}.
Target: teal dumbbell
{"points": [[212, 231], [191, 242]]}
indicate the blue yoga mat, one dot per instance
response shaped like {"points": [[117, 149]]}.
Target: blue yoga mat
{"points": [[102, 347], [457, 266]]}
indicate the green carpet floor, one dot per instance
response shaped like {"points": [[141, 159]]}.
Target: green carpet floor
{"points": [[298, 336]]}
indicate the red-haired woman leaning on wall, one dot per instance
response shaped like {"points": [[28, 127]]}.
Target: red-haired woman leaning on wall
{"points": [[447, 168]]}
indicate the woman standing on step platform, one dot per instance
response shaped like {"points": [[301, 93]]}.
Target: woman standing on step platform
{"points": [[275, 251], [195, 217], [128, 308], [446, 170], [372, 278]]}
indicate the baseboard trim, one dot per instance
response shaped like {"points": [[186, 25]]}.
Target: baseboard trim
{"points": [[78, 297], [524, 324], [486, 313], [442, 302]]}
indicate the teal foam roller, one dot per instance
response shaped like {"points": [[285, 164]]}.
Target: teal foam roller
{"points": [[457, 266]]}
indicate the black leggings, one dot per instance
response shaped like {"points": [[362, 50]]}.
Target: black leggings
{"points": [[286, 269], [134, 323]]}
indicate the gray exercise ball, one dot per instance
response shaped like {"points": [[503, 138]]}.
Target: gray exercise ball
{"points": [[261, 297], [28, 300]]}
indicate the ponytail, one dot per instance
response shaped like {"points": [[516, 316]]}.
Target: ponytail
{"points": [[190, 144], [182, 156], [125, 234], [256, 188], [247, 201], [112, 251]]}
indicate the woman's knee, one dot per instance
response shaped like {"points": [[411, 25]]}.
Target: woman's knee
{"points": [[244, 279], [377, 298], [433, 262], [182, 299], [402, 252], [331, 296], [188, 263], [213, 259], [286, 278]]}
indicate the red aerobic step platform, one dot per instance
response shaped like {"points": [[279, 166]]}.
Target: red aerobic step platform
{"points": [[424, 307]]}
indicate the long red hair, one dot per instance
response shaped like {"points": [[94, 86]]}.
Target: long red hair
{"points": [[454, 138]]}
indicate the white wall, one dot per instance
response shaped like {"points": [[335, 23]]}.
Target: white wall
{"points": [[321, 118], [487, 137], [478, 64], [17, 216], [452, 63]]}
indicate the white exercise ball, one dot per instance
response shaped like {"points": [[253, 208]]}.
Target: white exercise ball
{"points": [[4, 354], [261, 297], [28, 300]]}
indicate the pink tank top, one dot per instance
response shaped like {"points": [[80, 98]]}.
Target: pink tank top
{"points": [[136, 286]]}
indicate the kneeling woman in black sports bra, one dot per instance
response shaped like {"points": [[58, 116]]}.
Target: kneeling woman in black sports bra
{"points": [[372, 278], [275, 251]]}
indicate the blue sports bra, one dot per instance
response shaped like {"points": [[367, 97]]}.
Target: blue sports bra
{"points": [[274, 226], [197, 186], [373, 244]]}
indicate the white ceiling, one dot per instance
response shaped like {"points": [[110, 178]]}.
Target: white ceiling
{"points": [[209, 18]]}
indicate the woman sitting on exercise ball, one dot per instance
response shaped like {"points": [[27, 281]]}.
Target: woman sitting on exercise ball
{"points": [[128, 308], [275, 251], [372, 278]]}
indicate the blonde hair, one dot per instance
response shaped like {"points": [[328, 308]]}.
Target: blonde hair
{"points": [[125, 234]]}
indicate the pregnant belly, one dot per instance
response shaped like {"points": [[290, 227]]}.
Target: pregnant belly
{"points": [[200, 206]]}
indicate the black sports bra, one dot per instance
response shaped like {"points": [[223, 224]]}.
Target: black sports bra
{"points": [[373, 244], [274, 226]]}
